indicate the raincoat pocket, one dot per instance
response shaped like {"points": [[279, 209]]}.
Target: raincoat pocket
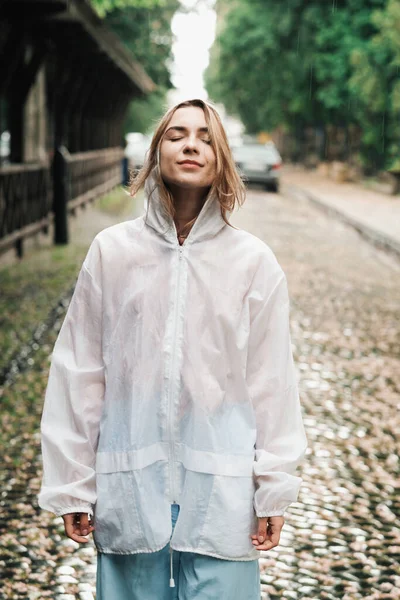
{"points": [[217, 514], [231, 519], [125, 522]]}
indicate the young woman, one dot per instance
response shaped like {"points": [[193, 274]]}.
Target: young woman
{"points": [[172, 388]]}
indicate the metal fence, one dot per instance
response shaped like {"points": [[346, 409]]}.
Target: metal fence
{"points": [[33, 196], [93, 174], [25, 203]]}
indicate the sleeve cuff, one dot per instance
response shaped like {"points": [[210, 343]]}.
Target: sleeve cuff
{"points": [[73, 509], [270, 513]]}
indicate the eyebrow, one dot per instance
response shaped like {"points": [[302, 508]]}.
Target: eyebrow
{"points": [[184, 129]]}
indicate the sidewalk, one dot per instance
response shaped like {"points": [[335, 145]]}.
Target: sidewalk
{"points": [[375, 215]]}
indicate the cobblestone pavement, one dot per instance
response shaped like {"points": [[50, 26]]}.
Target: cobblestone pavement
{"points": [[342, 539]]}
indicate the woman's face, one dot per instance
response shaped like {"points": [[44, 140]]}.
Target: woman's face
{"points": [[187, 159]]}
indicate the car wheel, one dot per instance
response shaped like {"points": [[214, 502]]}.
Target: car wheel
{"points": [[274, 187]]}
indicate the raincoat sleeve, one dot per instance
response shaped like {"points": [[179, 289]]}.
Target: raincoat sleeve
{"points": [[73, 401], [280, 440]]}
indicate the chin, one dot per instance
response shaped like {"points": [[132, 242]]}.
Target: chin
{"points": [[188, 182]]}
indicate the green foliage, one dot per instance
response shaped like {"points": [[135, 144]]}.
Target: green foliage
{"points": [[103, 7], [146, 32], [312, 62], [144, 113], [271, 80], [147, 35], [376, 83]]}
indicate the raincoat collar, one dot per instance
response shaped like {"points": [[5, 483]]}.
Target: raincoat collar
{"points": [[207, 225]]}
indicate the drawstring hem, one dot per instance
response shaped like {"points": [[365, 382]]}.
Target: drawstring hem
{"points": [[171, 581]]}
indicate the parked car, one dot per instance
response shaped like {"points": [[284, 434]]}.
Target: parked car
{"points": [[136, 148], [5, 146], [259, 163]]}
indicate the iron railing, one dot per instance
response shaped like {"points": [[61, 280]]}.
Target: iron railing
{"points": [[27, 201], [93, 174]]}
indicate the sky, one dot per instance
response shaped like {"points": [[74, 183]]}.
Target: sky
{"points": [[194, 33]]}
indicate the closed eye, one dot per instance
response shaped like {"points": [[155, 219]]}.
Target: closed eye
{"points": [[176, 139]]}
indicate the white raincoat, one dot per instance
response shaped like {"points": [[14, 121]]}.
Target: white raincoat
{"points": [[172, 381]]}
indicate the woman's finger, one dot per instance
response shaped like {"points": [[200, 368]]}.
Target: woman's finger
{"points": [[84, 524], [72, 527], [265, 546], [262, 529], [274, 529]]}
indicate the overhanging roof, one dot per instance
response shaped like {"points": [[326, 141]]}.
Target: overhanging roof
{"points": [[61, 15]]}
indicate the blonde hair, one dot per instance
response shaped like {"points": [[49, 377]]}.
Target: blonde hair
{"points": [[228, 186]]}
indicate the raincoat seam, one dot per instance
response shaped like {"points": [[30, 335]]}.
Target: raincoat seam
{"points": [[213, 554], [139, 519], [206, 520], [267, 300], [96, 285], [105, 550]]}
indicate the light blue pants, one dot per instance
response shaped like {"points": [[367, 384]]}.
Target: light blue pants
{"points": [[197, 577]]}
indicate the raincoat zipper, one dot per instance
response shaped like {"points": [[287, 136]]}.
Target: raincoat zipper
{"points": [[171, 397]]}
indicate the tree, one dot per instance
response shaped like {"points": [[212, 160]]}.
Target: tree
{"points": [[146, 32], [291, 63], [259, 82], [105, 6], [376, 83]]}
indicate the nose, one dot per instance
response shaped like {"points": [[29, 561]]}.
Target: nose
{"points": [[191, 144]]}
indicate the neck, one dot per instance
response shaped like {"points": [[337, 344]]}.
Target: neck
{"points": [[188, 204]]}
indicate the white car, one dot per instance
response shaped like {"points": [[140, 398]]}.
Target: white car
{"points": [[259, 163], [136, 148], [5, 145]]}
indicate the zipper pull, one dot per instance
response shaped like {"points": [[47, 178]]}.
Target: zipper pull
{"points": [[172, 580]]}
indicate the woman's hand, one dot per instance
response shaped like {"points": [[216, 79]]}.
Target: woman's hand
{"points": [[269, 532], [77, 525]]}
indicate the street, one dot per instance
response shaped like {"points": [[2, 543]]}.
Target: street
{"points": [[341, 540]]}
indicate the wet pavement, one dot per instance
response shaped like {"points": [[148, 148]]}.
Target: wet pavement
{"points": [[342, 539], [373, 211]]}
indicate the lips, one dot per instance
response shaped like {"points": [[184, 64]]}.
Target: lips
{"points": [[190, 162]]}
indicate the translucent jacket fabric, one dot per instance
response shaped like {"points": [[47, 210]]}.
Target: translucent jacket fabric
{"points": [[172, 381]]}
